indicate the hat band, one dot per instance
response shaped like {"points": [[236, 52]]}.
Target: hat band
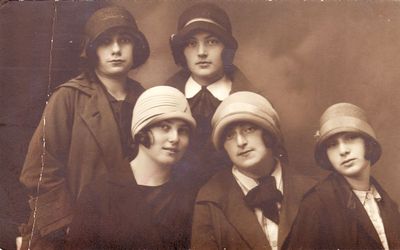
{"points": [[241, 107], [204, 20], [346, 121]]}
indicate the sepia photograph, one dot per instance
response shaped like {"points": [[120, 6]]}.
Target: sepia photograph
{"points": [[199, 124]]}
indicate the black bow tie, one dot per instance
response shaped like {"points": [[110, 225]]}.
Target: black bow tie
{"points": [[265, 196], [203, 104]]}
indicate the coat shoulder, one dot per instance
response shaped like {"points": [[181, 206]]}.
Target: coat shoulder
{"points": [[216, 188], [178, 80]]}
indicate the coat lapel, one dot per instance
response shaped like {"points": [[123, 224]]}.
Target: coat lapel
{"points": [[101, 122], [243, 218], [294, 188], [356, 210], [390, 217], [362, 219]]}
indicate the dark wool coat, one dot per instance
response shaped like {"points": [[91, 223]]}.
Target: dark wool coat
{"points": [[82, 142], [202, 160], [116, 213], [223, 221], [332, 217]]}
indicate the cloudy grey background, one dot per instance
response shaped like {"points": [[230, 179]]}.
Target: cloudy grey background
{"points": [[304, 55]]}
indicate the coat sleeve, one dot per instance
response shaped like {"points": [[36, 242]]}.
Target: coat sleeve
{"points": [[307, 231], [44, 171], [203, 228]]}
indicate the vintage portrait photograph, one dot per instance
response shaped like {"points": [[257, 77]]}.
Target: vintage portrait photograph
{"points": [[199, 124]]}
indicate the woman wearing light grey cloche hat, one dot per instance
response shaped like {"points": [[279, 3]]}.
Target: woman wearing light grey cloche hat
{"points": [[142, 206]]}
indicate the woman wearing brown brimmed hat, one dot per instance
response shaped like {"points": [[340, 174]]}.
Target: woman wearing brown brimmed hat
{"points": [[84, 129], [349, 209]]}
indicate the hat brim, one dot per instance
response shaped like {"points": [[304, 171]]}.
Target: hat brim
{"points": [[180, 38], [167, 116], [319, 151], [242, 117]]}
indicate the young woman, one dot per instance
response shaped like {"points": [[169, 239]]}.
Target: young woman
{"points": [[205, 47], [85, 126], [253, 204], [349, 209], [142, 206]]}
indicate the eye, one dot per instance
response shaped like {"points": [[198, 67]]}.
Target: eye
{"points": [[164, 126], [213, 41], [331, 144], [191, 43], [125, 39], [229, 135], [350, 137], [249, 129], [183, 130], [105, 41]]}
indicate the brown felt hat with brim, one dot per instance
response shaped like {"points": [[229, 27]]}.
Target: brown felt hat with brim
{"points": [[341, 118], [245, 106]]}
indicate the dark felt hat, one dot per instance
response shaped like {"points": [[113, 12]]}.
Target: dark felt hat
{"points": [[203, 16]]}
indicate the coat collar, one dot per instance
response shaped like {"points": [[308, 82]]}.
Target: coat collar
{"points": [[239, 81], [100, 120], [98, 115], [229, 198], [295, 186], [226, 194]]}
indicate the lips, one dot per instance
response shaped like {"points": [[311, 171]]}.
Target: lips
{"points": [[203, 63], [346, 162], [116, 61], [172, 150], [244, 153]]}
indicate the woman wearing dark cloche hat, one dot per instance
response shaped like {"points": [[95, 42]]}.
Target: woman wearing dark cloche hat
{"points": [[85, 128], [204, 46]]}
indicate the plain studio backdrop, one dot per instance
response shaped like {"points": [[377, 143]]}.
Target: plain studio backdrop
{"points": [[305, 56]]}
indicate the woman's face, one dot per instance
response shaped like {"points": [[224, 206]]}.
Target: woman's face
{"points": [[203, 54], [346, 152], [115, 53], [169, 140]]}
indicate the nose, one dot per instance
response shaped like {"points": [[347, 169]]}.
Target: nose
{"points": [[202, 50], [173, 136], [116, 48], [241, 140], [343, 149]]}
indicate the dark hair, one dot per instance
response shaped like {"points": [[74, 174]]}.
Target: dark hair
{"points": [[142, 137]]}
